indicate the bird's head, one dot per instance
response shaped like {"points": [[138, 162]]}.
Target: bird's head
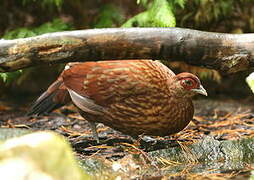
{"points": [[188, 85]]}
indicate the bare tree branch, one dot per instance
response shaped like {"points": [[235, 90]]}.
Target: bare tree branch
{"points": [[225, 52]]}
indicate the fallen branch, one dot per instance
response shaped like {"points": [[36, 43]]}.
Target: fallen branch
{"points": [[227, 53]]}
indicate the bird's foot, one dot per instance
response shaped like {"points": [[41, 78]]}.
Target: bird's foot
{"points": [[148, 139]]}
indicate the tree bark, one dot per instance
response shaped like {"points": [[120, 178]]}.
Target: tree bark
{"points": [[227, 53]]}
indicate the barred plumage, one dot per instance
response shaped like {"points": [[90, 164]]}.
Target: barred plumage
{"points": [[132, 96]]}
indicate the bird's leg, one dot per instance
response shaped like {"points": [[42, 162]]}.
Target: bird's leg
{"points": [[94, 131]]}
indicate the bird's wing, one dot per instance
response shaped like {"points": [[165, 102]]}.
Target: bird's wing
{"points": [[108, 82], [86, 104]]}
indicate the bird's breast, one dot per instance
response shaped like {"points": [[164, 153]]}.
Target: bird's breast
{"points": [[153, 116]]}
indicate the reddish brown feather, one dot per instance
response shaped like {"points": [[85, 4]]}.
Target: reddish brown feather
{"points": [[108, 80]]}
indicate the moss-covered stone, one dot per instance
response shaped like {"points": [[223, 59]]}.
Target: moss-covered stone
{"points": [[41, 155]]}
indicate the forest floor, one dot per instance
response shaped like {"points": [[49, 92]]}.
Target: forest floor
{"points": [[221, 119]]}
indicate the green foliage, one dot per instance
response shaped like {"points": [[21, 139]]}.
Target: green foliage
{"points": [[160, 13], [19, 33], [250, 82], [45, 3], [10, 76], [54, 26], [109, 15], [209, 10], [143, 2], [174, 3], [221, 16]]}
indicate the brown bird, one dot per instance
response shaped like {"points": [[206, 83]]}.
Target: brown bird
{"points": [[134, 97]]}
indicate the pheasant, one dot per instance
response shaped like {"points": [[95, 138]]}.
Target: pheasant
{"points": [[135, 97]]}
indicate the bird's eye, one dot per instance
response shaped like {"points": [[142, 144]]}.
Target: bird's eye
{"points": [[188, 82]]}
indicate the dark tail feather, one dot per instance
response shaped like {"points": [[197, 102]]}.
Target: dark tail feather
{"points": [[55, 97]]}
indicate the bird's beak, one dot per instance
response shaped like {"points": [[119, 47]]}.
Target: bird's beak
{"points": [[200, 90]]}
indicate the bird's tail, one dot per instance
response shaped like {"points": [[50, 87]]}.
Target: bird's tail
{"points": [[55, 97]]}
